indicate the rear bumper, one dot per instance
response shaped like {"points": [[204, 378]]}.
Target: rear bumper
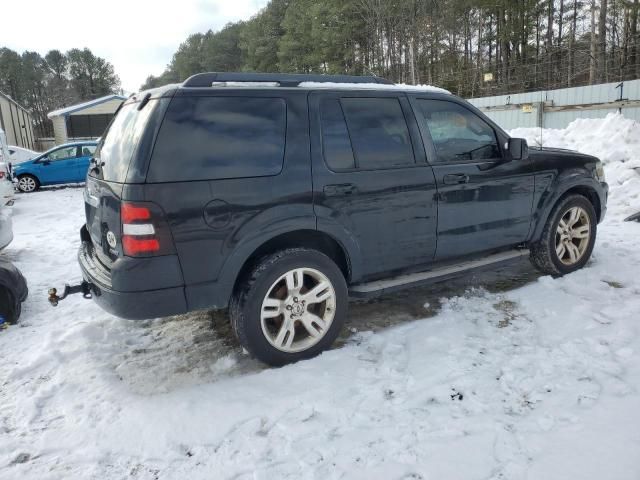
{"points": [[138, 304]]}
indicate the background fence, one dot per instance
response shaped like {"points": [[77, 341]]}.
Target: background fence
{"points": [[558, 108]]}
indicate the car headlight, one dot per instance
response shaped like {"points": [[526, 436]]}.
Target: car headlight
{"points": [[600, 171]]}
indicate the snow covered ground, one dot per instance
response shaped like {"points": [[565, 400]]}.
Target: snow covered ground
{"points": [[537, 382]]}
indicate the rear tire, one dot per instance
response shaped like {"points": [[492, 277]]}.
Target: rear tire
{"points": [[568, 237], [28, 183], [291, 306], [8, 307]]}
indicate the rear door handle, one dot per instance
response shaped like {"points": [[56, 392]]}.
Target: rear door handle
{"points": [[337, 190], [455, 178]]}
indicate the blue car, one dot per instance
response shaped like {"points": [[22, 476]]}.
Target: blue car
{"points": [[66, 163]]}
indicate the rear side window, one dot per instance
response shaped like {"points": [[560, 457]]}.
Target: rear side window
{"points": [[378, 131], [205, 138], [335, 136], [364, 134], [87, 150]]}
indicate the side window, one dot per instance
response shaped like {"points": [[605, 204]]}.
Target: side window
{"points": [[458, 134], [206, 138], [379, 132], [62, 153], [336, 144], [87, 150]]}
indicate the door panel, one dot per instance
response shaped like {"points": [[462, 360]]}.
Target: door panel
{"points": [[61, 166], [491, 210], [484, 198], [389, 213], [82, 164]]}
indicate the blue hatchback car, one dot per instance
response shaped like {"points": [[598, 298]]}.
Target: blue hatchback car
{"points": [[66, 163]]}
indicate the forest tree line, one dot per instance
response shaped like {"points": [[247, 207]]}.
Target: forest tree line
{"points": [[471, 47], [42, 84]]}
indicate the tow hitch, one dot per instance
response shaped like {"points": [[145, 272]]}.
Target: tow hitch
{"points": [[84, 288]]}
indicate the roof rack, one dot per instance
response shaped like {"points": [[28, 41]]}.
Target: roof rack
{"points": [[282, 79]]}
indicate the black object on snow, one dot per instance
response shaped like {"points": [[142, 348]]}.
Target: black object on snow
{"points": [[634, 217], [13, 291]]}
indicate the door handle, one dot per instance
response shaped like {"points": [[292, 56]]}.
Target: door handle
{"points": [[455, 178], [337, 190]]}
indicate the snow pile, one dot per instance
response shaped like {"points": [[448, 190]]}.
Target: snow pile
{"points": [[374, 86], [614, 139], [538, 382], [245, 84]]}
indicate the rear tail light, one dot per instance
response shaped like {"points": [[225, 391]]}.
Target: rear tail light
{"points": [[131, 212], [2, 175], [133, 246], [141, 223]]}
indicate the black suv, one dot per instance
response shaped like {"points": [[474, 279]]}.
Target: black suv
{"points": [[281, 196]]}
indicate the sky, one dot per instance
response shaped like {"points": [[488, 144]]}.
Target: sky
{"points": [[138, 37]]}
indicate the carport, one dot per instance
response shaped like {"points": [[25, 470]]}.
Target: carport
{"points": [[86, 120]]}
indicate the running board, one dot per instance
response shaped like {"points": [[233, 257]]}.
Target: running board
{"points": [[378, 287]]}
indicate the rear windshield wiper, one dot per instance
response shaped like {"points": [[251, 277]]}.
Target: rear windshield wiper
{"points": [[144, 101]]}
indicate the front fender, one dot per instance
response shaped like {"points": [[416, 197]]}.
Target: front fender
{"points": [[25, 171], [550, 189]]}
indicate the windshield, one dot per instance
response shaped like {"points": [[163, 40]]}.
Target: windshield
{"points": [[119, 144]]}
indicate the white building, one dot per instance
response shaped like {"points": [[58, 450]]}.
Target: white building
{"points": [[84, 121]]}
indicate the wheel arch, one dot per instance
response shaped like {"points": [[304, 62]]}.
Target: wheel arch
{"points": [[29, 174], [313, 239], [585, 189]]}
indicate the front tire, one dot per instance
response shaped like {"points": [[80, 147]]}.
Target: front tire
{"points": [[290, 307], [28, 183], [568, 237]]}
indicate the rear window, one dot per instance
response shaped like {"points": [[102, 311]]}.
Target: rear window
{"points": [[121, 141], [204, 138]]}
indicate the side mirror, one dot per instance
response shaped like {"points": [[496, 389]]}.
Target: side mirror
{"points": [[45, 161], [518, 148]]}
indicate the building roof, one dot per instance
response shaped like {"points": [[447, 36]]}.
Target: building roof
{"points": [[82, 106], [7, 97]]}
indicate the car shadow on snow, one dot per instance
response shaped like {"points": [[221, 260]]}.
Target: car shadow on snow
{"points": [[200, 347]]}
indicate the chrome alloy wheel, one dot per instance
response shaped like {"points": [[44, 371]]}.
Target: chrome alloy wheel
{"points": [[298, 310], [26, 184], [573, 235]]}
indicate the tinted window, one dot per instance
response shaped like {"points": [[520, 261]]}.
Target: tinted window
{"points": [[87, 125], [458, 134], [219, 137], [62, 153], [121, 140], [378, 131], [335, 136]]}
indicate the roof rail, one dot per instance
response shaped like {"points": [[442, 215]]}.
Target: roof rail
{"points": [[283, 79]]}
